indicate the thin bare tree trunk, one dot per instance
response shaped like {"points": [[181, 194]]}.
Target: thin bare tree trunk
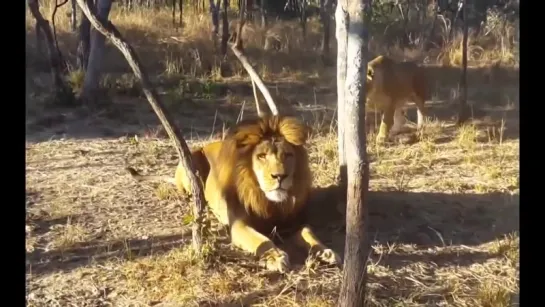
{"points": [[58, 66], [74, 16], [107, 29], [174, 14], [264, 6], [341, 19], [241, 22], [356, 249], [461, 4], [325, 14], [304, 18], [463, 112], [181, 4], [84, 38], [96, 53], [215, 12], [225, 28]]}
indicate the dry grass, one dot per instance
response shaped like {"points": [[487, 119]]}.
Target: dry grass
{"points": [[438, 234], [443, 211]]}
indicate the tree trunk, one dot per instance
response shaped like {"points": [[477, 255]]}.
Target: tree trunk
{"points": [[58, 66], [461, 4], [463, 112], [225, 28], [241, 22], [215, 12], [263, 9], [84, 39], [96, 53], [74, 16], [357, 249], [325, 14], [341, 19], [181, 4], [173, 132], [174, 14], [304, 18]]}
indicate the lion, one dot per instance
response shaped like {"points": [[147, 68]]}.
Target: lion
{"points": [[390, 85], [257, 181]]}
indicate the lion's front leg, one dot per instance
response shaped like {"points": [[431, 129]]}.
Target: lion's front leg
{"points": [[386, 123], [250, 240], [306, 238]]}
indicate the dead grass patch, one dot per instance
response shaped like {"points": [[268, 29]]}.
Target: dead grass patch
{"points": [[451, 273], [443, 211]]}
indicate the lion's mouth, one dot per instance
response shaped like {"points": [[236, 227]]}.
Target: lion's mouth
{"points": [[277, 195]]}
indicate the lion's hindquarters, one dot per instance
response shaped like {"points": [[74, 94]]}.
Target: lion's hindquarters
{"points": [[421, 94], [198, 155]]}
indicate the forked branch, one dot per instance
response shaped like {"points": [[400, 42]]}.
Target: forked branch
{"points": [[255, 79], [109, 31], [238, 50]]}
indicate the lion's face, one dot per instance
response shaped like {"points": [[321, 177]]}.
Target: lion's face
{"points": [[273, 163]]}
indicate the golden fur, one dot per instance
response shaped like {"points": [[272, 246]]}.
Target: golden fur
{"points": [[390, 85], [257, 181]]}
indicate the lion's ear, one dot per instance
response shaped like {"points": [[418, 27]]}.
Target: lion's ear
{"points": [[294, 131]]}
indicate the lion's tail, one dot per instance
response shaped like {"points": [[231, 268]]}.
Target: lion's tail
{"points": [[181, 179], [139, 177]]}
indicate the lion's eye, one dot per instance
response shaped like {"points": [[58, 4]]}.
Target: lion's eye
{"points": [[261, 156]]}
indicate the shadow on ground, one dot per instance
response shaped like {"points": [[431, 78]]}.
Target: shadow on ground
{"points": [[493, 92], [84, 253], [424, 220]]}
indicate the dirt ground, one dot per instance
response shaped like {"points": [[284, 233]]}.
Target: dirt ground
{"points": [[443, 211]]}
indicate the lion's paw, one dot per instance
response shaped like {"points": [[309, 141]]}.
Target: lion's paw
{"points": [[325, 255], [328, 256], [276, 259], [383, 139]]}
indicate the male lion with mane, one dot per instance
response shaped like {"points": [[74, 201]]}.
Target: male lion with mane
{"points": [[257, 181], [390, 85]]}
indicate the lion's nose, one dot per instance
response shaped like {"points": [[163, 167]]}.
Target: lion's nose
{"points": [[279, 177]]}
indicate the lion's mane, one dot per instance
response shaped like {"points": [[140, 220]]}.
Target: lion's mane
{"points": [[237, 179]]}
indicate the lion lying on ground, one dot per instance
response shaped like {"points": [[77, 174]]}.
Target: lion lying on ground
{"points": [[390, 85], [257, 181]]}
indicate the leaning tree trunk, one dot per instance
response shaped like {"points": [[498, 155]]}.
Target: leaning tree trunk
{"points": [[325, 15], [356, 249], [263, 8], [96, 54], [184, 155], [341, 19], [463, 112]]}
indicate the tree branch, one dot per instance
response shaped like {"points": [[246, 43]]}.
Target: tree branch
{"points": [[174, 133], [255, 78]]}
